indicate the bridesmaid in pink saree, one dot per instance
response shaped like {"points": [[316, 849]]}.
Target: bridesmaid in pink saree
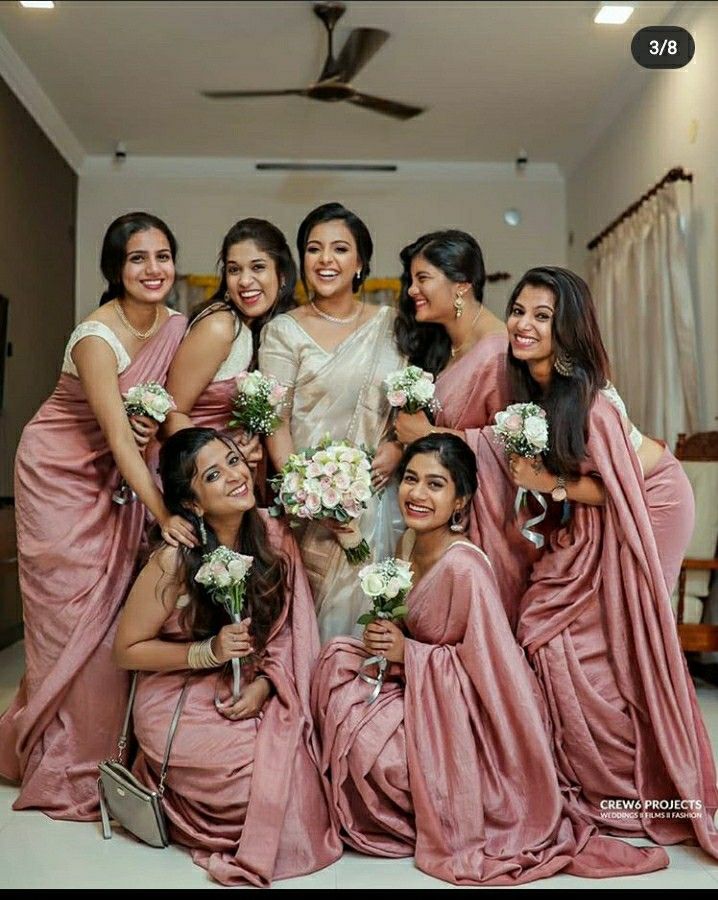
{"points": [[596, 621], [258, 278], [452, 763], [444, 327], [243, 789], [76, 548]]}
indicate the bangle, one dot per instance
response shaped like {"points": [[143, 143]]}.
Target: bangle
{"points": [[201, 656]]}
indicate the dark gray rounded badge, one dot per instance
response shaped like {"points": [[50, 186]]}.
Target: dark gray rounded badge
{"points": [[663, 47]]}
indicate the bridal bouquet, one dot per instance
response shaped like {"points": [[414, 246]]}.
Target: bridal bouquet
{"points": [[258, 403], [411, 389], [146, 399], [223, 574], [522, 429], [330, 481], [386, 584]]}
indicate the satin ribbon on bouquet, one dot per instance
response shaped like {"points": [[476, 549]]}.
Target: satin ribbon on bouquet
{"points": [[381, 663], [536, 539]]}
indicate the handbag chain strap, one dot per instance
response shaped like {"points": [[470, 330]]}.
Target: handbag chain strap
{"points": [[122, 742]]}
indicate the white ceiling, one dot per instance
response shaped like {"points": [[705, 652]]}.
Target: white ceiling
{"points": [[495, 77]]}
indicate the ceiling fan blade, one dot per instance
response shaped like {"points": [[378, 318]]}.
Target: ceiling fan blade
{"points": [[230, 95], [359, 48], [386, 107]]}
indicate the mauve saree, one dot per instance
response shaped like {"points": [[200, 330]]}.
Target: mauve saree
{"points": [[473, 389], [452, 763], [76, 555], [599, 630], [341, 393], [245, 795]]}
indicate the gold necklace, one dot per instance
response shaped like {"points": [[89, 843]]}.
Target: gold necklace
{"points": [[455, 350], [140, 335]]}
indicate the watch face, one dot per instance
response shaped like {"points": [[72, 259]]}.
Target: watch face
{"points": [[559, 494]]}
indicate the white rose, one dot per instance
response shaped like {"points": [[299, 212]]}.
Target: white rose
{"points": [[393, 587], [360, 491], [238, 568], [536, 431], [423, 390], [373, 585]]}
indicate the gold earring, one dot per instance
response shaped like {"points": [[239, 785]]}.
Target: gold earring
{"points": [[458, 305], [455, 523], [227, 298], [563, 364]]}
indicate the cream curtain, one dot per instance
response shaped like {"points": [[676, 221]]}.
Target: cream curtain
{"points": [[640, 282]]}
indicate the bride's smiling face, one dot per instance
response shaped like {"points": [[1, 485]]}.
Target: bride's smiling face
{"points": [[331, 260]]}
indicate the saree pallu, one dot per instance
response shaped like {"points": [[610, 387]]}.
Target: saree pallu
{"points": [[600, 632], [452, 763], [76, 555], [341, 393], [244, 795]]}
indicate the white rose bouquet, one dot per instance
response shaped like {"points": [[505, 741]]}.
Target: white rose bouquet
{"points": [[330, 481], [411, 389], [522, 429], [256, 408], [223, 574], [146, 399], [386, 584]]}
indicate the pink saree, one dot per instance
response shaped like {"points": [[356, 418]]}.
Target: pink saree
{"points": [[245, 796], [76, 555], [452, 763], [598, 627], [475, 388]]}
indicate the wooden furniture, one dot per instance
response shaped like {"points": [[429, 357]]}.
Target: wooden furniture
{"points": [[10, 603], [698, 637]]}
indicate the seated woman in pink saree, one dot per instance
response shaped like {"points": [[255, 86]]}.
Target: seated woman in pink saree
{"points": [[242, 791], [258, 278], [444, 328], [596, 620], [76, 548], [452, 763]]}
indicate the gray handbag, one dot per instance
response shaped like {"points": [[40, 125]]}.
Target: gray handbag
{"points": [[134, 806]]}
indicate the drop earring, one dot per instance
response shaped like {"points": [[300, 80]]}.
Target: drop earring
{"points": [[455, 522], [563, 364], [458, 306], [202, 530], [227, 298]]}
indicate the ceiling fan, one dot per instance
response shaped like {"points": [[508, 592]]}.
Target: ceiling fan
{"points": [[334, 82]]}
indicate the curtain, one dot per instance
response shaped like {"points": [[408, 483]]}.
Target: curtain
{"points": [[640, 281]]}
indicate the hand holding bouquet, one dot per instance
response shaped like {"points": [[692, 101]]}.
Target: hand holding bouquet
{"points": [[522, 429], [146, 399], [412, 390], [386, 584], [330, 481], [223, 574], [256, 408]]}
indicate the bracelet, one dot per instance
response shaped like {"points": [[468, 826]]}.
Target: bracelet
{"points": [[201, 656]]}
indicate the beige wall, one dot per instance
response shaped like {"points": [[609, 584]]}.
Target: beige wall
{"points": [[671, 123], [37, 267], [201, 199]]}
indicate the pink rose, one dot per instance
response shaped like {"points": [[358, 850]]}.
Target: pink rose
{"points": [[313, 503], [514, 423], [396, 398]]}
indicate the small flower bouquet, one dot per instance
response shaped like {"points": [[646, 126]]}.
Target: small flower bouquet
{"points": [[522, 429], [386, 584], [223, 574], [257, 406], [330, 481], [412, 389], [147, 399]]}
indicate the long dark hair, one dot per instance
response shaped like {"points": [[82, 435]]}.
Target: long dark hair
{"points": [[267, 581], [271, 241], [454, 455], [114, 248], [331, 212], [456, 254], [575, 333]]}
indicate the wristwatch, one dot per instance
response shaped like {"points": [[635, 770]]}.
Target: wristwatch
{"points": [[559, 492]]}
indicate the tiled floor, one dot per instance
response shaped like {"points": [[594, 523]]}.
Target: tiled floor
{"points": [[37, 852]]}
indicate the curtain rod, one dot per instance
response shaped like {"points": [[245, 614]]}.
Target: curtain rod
{"points": [[677, 174]]}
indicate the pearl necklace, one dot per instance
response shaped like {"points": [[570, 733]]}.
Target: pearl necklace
{"points": [[140, 335], [335, 319], [455, 350]]}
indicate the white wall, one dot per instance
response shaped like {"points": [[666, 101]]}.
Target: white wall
{"points": [[201, 199], [672, 122]]}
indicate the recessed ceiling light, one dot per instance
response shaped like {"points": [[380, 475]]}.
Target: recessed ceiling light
{"points": [[37, 4], [609, 14], [512, 217]]}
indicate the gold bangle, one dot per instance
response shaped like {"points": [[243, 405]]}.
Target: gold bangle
{"points": [[201, 656]]}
